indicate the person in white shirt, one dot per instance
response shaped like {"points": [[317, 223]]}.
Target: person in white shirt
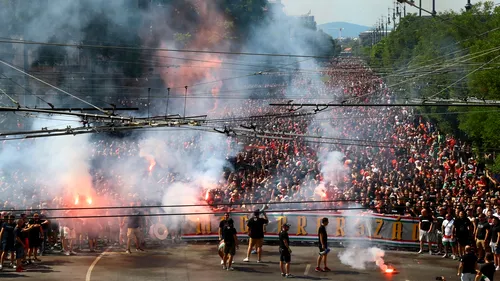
{"points": [[447, 229]]}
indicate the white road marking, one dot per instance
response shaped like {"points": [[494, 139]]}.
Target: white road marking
{"points": [[308, 266], [89, 271]]}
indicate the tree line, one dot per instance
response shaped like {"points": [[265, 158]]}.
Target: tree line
{"points": [[449, 56]]}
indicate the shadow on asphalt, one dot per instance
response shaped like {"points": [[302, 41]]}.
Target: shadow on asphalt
{"points": [[248, 270], [346, 272], [40, 269], [11, 275], [55, 262]]}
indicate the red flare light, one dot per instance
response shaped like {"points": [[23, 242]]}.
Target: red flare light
{"points": [[389, 270], [89, 200], [77, 200], [206, 196], [152, 164]]}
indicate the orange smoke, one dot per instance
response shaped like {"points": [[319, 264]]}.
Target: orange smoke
{"points": [[193, 69]]}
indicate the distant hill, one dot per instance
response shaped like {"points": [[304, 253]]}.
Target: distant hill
{"points": [[348, 29]]}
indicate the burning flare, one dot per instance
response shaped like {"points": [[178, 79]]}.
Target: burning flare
{"points": [[152, 164], [89, 200]]}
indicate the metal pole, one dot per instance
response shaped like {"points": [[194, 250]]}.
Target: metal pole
{"points": [[433, 7], [185, 100], [149, 100], [394, 16], [468, 6], [420, 8], [166, 109]]}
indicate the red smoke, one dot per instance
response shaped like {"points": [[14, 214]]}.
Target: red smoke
{"points": [[202, 68]]}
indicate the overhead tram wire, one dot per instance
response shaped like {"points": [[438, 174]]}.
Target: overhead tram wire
{"points": [[10, 98], [387, 104], [479, 53], [486, 52], [52, 86], [24, 88], [205, 213], [464, 77], [13, 41], [229, 61], [307, 136], [103, 129], [188, 205]]}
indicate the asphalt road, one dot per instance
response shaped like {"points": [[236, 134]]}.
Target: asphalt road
{"points": [[194, 262]]}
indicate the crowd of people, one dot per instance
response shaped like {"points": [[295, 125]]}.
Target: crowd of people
{"points": [[389, 160]]}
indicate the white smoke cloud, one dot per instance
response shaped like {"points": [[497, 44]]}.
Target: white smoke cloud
{"points": [[359, 254], [332, 167], [60, 164], [361, 258]]}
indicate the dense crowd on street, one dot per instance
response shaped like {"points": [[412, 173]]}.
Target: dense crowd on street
{"points": [[389, 160]]}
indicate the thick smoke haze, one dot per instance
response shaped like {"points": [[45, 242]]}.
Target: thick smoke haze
{"points": [[72, 167]]}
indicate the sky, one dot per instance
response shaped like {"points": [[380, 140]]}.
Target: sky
{"points": [[363, 12]]}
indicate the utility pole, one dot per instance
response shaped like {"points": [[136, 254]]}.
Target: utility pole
{"points": [[388, 18], [26, 68], [386, 26], [398, 12], [420, 8], [433, 7], [468, 6], [404, 11], [394, 15]]}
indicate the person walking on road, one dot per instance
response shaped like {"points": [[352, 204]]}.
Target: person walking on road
{"points": [[323, 246], [467, 269], [285, 251], [222, 225], [256, 233], [487, 270], [133, 231], [230, 244]]}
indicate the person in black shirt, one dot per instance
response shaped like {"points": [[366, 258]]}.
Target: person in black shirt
{"points": [[133, 231], [425, 228], [463, 228], [323, 246], [256, 233], [285, 252], [230, 244], [35, 236], [440, 217], [7, 239], [222, 225], [19, 244], [487, 270], [495, 239], [468, 265], [482, 231]]}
